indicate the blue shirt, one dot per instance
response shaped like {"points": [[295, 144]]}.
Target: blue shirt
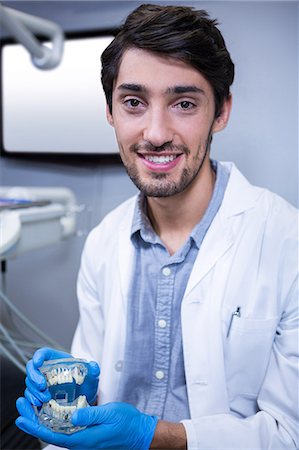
{"points": [[153, 377]]}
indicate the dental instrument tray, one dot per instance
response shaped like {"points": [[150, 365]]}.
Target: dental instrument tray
{"points": [[16, 203], [65, 378]]}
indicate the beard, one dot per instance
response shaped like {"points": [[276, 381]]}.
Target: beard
{"points": [[161, 184]]}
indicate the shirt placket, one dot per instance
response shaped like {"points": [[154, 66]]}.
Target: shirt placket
{"points": [[162, 341]]}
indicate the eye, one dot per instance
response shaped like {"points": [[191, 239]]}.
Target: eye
{"points": [[185, 104], [132, 103]]}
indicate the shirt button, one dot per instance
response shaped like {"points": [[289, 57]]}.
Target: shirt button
{"points": [[162, 323], [160, 374], [119, 366], [166, 271]]}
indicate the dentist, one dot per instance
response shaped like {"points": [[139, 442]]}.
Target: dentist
{"points": [[188, 292]]}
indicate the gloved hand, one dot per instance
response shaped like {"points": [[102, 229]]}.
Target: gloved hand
{"points": [[37, 392], [111, 426]]}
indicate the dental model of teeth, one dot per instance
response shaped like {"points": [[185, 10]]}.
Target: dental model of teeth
{"points": [[64, 379]]}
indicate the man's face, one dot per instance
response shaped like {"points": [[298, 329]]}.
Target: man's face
{"points": [[163, 115]]}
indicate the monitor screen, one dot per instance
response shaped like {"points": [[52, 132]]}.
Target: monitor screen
{"points": [[62, 110]]}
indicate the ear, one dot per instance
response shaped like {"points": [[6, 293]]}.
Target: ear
{"points": [[221, 121], [109, 116]]}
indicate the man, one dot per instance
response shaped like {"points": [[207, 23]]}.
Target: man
{"points": [[187, 292]]}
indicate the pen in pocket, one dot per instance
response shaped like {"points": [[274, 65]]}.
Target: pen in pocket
{"points": [[236, 313]]}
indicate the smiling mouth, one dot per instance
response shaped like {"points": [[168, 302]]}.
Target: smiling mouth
{"points": [[162, 159]]}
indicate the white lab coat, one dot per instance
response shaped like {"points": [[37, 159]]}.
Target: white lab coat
{"points": [[242, 389]]}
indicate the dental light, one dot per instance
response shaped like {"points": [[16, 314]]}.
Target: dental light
{"points": [[22, 27]]}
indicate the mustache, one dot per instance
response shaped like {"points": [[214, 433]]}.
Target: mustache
{"points": [[168, 146]]}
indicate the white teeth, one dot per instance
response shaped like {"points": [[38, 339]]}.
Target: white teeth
{"points": [[160, 159], [82, 402], [62, 412], [78, 375], [61, 375], [59, 411]]}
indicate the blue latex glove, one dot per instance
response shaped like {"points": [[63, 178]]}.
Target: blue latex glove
{"points": [[37, 392], [111, 426]]}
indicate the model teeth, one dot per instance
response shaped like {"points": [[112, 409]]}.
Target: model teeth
{"points": [[78, 375], [62, 412], [61, 375], [160, 159]]}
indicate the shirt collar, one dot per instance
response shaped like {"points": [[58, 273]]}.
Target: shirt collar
{"points": [[142, 226]]}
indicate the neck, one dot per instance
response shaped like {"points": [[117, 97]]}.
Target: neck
{"points": [[173, 218]]}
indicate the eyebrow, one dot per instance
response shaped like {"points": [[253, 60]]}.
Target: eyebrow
{"points": [[184, 89], [132, 87]]}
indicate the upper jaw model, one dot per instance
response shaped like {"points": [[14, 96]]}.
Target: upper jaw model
{"points": [[64, 379]]}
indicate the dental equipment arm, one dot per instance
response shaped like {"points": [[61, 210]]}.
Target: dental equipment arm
{"points": [[22, 26]]}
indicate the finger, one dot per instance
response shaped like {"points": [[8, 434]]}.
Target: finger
{"points": [[40, 356], [35, 388], [94, 369], [42, 395], [32, 399], [35, 376], [93, 415], [46, 353], [25, 409], [41, 432], [28, 422], [27, 426]]}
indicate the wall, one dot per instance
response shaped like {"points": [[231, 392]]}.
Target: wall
{"points": [[262, 139]]}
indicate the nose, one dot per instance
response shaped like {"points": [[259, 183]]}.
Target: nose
{"points": [[158, 130]]}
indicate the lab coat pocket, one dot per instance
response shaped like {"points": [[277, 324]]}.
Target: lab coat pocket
{"points": [[247, 350]]}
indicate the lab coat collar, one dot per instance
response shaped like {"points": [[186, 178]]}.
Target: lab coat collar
{"points": [[126, 249], [239, 197]]}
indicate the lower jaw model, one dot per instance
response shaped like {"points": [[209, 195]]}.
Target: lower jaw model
{"points": [[64, 379]]}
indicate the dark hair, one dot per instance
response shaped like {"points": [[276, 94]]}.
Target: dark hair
{"points": [[173, 31]]}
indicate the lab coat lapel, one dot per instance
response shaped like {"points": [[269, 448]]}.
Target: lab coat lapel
{"points": [[217, 241], [126, 252], [202, 328], [240, 196], [202, 303]]}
